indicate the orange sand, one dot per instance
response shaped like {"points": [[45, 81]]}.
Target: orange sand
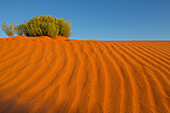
{"points": [[67, 76]]}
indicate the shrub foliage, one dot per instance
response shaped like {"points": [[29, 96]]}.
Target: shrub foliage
{"points": [[93, 39], [8, 29], [18, 30], [43, 26]]}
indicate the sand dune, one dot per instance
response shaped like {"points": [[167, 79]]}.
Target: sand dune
{"points": [[70, 76]]}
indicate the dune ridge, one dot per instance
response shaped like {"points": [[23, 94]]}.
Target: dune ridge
{"points": [[67, 76]]}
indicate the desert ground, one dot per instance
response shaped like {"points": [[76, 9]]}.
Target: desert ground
{"points": [[45, 75]]}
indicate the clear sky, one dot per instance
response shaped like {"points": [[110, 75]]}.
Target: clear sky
{"points": [[101, 19]]}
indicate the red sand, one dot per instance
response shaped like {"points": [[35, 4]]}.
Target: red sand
{"points": [[42, 75]]}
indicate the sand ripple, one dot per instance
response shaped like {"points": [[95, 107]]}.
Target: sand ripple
{"points": [[67, 76]]}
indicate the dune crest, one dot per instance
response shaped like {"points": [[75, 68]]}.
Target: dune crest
{"points": [[41, 74]]}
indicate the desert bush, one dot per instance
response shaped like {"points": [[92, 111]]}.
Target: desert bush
{"points": [[40, 26], [93, 39], [46, 26], [25, 28], [64, 28], [18, 30], [8, 29], [53, 30]]}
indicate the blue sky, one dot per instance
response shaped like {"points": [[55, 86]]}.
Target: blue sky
{"points": [[101, 19]]}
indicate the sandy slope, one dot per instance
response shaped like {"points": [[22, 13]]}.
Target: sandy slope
{"points": [[56, 75]]}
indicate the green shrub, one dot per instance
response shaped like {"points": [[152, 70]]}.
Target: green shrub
{"points": [[8, 29], [25, 29], [46, 26], [40, 26], [93, 39], [53, 30], [18, 30], [65, 28]]}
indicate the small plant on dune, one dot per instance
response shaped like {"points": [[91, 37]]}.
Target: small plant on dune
{"points": [[41, 26], [46, 26], [8, 29], [93, 39], [64, 28], [53, 30], [25, 28], [18, 30]]}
